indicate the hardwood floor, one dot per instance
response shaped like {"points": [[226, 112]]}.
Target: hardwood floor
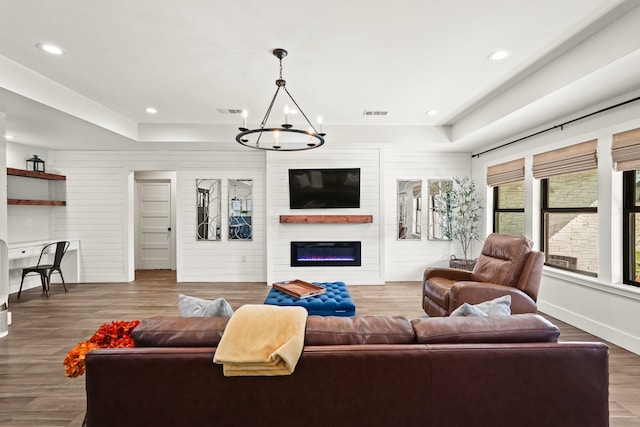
{"points": [[35, 392]]}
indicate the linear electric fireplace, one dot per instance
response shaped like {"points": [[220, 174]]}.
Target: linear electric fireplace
{"points": [[325, 254]]}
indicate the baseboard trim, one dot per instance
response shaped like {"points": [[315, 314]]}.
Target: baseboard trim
{"points": [[601, 330]]}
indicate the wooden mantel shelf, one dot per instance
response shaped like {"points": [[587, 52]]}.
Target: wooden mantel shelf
{"points": [[326, 219]]}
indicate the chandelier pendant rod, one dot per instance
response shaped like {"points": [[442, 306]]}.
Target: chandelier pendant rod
{"points": [[266, 115], [300, 109]]}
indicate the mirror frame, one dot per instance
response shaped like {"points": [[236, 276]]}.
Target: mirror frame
{"points": [[409, 209], [240, 209], [208, 210], [434, 221]]}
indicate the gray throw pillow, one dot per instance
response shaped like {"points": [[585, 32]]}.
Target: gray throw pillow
{"points": [[198, 307], [496, 307], [468, 310]]}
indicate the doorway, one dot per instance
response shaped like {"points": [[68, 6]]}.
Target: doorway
{"points": [[155, 221]]}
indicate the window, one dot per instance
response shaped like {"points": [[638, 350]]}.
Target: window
{"points": [[508, 208], [507, 180], [631, 227], [570, 221]]}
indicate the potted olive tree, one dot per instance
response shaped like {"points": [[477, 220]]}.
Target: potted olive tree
{"points": [[459, 209]]}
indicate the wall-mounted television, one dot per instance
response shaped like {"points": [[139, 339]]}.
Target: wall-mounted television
{"points": [[324, 188]]}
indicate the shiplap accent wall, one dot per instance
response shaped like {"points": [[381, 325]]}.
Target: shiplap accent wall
{"points": [[225, 260], [280, 235], [98, 212], [407, 259]]}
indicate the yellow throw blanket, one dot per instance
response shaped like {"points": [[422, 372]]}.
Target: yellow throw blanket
{"points": [[262, 340]]}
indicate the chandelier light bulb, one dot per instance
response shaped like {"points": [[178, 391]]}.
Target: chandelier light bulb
{"points": [[286, 118], [277, 136], [310, 143], [244, 120]]}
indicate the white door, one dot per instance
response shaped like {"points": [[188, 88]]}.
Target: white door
{"points": [[155, 225]]}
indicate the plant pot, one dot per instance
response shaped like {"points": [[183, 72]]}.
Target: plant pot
{"points": [[462, 264]]}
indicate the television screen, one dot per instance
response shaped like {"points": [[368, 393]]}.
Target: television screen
{"points": [[324, 188]]}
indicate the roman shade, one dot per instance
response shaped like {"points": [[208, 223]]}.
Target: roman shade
{"points": [[575, 158], [505, 173], [625, 150]]}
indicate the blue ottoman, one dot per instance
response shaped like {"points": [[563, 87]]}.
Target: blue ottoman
{"points": [[335, 302]]}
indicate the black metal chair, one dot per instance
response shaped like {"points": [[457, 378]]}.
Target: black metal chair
{"points": [[45, 270]]}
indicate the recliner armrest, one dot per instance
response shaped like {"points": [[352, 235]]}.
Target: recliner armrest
{"points": [[454, 274], [477, 292]]}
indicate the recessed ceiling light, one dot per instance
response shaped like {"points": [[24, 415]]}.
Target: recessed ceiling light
{"points": [[7, 136], [50, 48], [499, 55], [151, 110], [432, 112]]}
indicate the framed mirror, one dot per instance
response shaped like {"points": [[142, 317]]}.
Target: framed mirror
{"points": [[438, 188], [208, 209], [240, 209], [409, 209]]}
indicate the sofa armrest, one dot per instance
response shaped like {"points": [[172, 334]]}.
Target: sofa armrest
{"points": [[477, 292]]}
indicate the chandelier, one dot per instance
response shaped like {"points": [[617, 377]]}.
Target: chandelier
{"points": [[285, 137]]}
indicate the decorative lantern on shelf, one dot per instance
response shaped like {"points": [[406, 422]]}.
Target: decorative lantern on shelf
{"points": [[35, 164]]}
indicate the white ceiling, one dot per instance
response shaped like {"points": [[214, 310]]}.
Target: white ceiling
{"points": [[190, 58]]}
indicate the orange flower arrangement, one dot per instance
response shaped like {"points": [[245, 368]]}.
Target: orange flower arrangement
{"points": [[109, 335]]}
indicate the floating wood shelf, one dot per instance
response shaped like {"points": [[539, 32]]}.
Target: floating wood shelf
{"points": [[45, 190], [34, 174], [36, 202], [326, 219]]}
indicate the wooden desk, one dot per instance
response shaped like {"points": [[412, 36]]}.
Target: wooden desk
{"points": [[25, 254]]}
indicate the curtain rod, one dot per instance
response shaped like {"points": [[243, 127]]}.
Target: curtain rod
{"points": [[561, 126]]}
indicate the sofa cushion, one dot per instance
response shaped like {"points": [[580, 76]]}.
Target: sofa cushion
{"points": [[333, 330], [163, 331], [516, 328], [197, 307], [500, 306]]}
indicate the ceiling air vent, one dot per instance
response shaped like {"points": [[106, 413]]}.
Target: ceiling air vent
{"points": [[374, 113], [229, 111]]}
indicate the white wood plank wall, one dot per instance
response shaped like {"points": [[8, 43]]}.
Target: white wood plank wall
{"points": [[407, 259], [280, 235], [98, 207]]}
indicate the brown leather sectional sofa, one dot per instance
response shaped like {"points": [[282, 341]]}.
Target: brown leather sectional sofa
{"points": [[357, 371]]}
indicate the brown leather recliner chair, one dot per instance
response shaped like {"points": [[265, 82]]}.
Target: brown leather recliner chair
{"points": [[506, 266]]}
